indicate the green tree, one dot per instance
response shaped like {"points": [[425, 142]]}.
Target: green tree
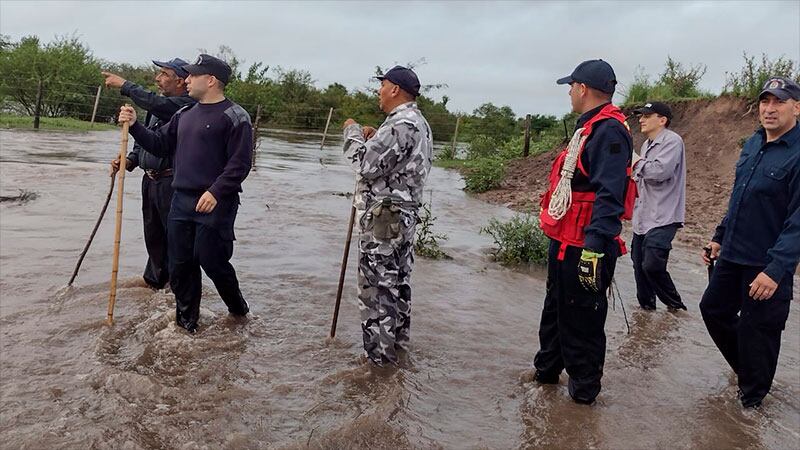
{"points": [[65, 69]]}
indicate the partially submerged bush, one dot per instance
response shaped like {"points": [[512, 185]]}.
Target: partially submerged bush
{"points": [[427, 242], [519, 241]]}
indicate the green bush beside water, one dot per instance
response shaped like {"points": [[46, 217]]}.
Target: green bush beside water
{"points": [[518, 241]]}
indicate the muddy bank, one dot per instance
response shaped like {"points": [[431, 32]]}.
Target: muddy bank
{"points": [[274, 381], [712, 131]]}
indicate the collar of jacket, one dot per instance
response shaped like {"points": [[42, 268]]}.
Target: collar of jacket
{"points": [[588, 115], [403, 107], [789, 138], [659, 138]]}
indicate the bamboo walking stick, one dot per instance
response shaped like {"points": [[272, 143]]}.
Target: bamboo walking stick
{"points": [[344, 267], [94, 231], [118, 230]]}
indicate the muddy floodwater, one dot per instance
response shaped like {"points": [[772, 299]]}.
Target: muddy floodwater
{"points": [[67, 380]]}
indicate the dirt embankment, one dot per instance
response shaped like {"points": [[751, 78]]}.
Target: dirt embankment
{"points": [[712, 131]]}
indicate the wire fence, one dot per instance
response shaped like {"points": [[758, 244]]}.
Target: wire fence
{"points": [[97, 103]]}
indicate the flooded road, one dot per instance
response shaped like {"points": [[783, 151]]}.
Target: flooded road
{"points": [[273, 381]]}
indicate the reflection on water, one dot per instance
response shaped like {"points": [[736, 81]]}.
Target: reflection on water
{"points": [[273, 380]]}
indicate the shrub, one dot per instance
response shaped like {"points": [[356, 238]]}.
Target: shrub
{"points": [[483, 174], [682, 82], [427, 242], [751, 78], [676, 82], [481, 146], [519, 241]]}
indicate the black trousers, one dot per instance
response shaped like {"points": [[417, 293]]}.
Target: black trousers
{"points": [[156, 201], [746, 331], [650, 254], [572, 329], [202, 241]]}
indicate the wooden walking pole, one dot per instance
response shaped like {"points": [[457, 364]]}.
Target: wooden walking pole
{"points": [[112, 297], [94, 231], [325, 133], [344, 267], [96, 102]]}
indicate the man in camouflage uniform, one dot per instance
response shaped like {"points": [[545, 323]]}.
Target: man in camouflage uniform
{"points": [[391, 165]]}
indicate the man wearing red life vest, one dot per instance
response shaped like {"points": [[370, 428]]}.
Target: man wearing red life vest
{"points": [[590, 192]]}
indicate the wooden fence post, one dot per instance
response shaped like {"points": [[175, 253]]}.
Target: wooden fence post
{"points": [[327, 124], [96, 102], [455, 138], [38, 111], [527, 146]]}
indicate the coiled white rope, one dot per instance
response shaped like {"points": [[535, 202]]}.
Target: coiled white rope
{"points": [[561, 199]]}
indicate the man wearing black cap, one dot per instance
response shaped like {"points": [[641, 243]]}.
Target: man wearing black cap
{"points": [[391, 165], [157, 180], [660, 209], [757, 246], [211, 142], [581, 213]]}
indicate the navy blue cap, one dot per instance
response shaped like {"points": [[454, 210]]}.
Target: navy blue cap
{"points": [[175, 64], [403, 77], [594, 73], [783, 88], [209, 65], [662, 109]]}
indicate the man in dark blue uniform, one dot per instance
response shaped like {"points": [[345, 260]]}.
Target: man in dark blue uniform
{"points": [[212, 146], [588, 181], [157, 179], [757, 246]]}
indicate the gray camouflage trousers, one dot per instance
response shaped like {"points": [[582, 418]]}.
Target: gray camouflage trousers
{"points": [[384, 291]]}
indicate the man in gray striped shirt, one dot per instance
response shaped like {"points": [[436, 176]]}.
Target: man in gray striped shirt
{"points": [[660, 174]]}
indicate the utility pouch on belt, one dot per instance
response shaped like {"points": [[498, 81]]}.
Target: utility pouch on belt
{"points": [[386, 220]]}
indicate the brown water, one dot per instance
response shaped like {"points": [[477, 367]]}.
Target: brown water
{"points": [[273, 381]]}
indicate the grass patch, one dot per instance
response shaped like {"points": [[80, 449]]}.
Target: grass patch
{"points": [[519, 241], [51, 123]]}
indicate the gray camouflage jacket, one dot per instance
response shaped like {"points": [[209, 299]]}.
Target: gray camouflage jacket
{"points": [[393, 163]]}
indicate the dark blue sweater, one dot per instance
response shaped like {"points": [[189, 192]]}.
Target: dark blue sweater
{"points": [[211, 143], [159, 110]]}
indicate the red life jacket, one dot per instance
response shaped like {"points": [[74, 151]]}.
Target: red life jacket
{"points": [[570, 229]]}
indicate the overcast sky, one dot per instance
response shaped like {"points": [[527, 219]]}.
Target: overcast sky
{"points": [[508, 53]]}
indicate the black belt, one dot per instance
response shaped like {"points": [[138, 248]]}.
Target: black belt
{"points": [[156, 174]]}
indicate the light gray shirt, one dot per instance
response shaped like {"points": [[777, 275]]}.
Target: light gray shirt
{"points": [[660, 176]]}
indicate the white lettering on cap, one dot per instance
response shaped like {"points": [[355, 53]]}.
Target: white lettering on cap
{"points": [[648, 105]]}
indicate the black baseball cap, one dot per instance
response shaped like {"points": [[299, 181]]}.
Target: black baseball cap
{"points": [[403, 77], [594, 73], [783, 88], [662, 109], [209, 65], [175, 64]]}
